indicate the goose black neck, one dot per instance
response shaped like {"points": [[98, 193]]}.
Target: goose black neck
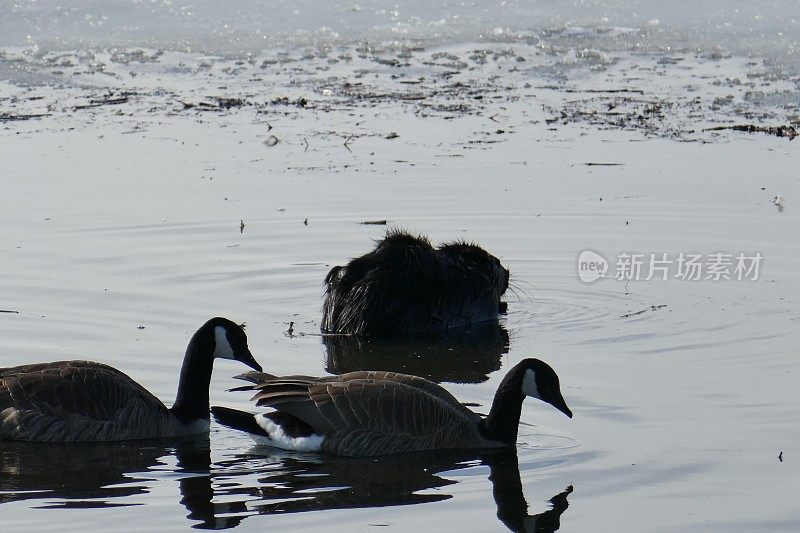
{"points": [[192, 401], [502, 424]]}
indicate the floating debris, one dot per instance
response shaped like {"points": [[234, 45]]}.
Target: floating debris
{"points": [[227, 103], [646, 309], [636, 91], [271, 140], [217, 103], [779, 131], [284, 100], [8, 117], [97, 102]]}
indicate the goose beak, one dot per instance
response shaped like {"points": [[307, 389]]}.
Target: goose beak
{"points": [[247, 358], [561, 405]]}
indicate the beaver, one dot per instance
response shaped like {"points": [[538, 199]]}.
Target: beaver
{"points": [[407, 286]]}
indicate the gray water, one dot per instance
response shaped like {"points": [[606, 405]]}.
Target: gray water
{"points": [[121, 208]]}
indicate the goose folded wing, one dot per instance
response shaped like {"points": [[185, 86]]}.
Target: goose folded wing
{"points": [[368, 416], [423, 385], [73, 388]]}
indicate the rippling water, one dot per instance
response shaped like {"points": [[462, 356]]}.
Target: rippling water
{"points": [[122, 200], [125, 482], [671, 405]]}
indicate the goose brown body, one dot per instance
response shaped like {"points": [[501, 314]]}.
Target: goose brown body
{"points": [[377, 413], [78, 401], [84, 401]]}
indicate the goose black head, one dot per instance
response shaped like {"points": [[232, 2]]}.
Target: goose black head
{"points": [[540, 381], [230, 342]]}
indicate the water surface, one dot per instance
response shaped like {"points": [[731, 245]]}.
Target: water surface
{"points": [[122, 208]]}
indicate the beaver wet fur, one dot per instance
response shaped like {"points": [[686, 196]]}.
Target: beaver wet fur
{"points": [[405, 285]]}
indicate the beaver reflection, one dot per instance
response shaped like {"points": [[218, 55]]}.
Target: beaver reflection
{"points": [[456, 356], [405, 285]]}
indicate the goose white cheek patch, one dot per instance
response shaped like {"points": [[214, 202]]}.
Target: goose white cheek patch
{"points": [[529, 387], [223, 348]]}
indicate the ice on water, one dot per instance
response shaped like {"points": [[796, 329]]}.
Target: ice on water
{"points": [[771, 28]]}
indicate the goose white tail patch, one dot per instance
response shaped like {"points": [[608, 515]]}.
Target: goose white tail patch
{"points": [[279, 439], [529, 387], [222, 348]]}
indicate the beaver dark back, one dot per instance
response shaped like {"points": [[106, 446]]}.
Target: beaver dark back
{"points": [[405, 285]]}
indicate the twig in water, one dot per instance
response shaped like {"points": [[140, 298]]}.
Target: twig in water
{"points": [[651, 308], [100, 102]]}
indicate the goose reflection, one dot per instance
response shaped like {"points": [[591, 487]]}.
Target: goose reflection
{"points": [[104, 475], [74, 476], [220, 495], [455, 356], [197, 492], [512, 508], [82, 475], [296, 484]]}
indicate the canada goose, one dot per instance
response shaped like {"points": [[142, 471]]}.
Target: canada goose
{"points": [[377, 413], [68, 401], [407, 286]]}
